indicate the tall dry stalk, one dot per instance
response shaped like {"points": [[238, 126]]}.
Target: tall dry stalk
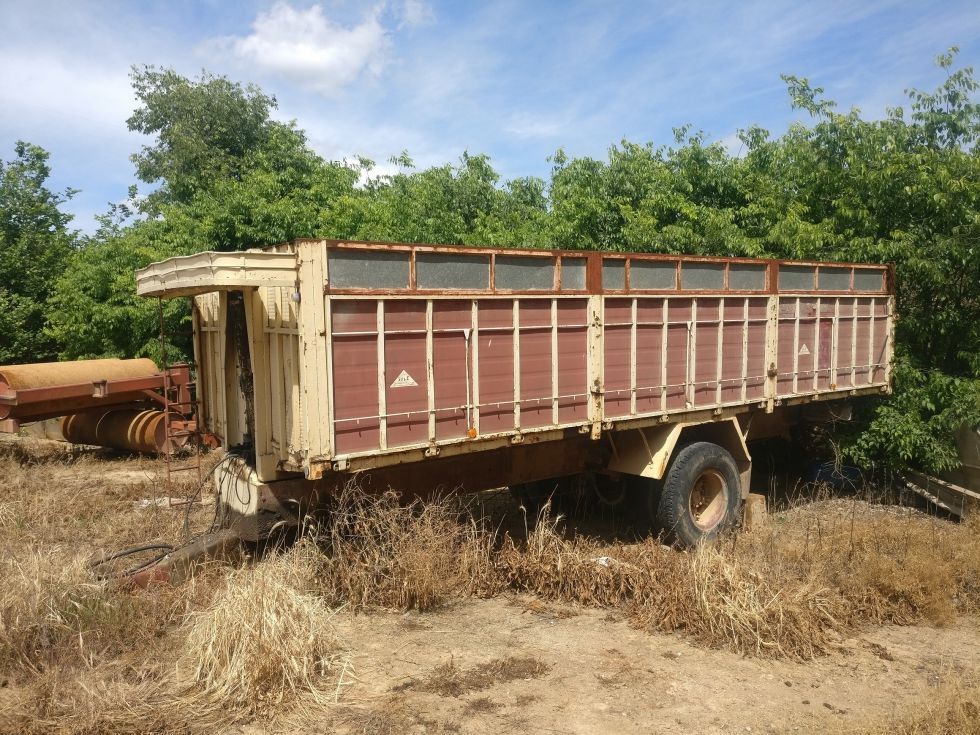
{"points": [[381, 552], [265, 636]]}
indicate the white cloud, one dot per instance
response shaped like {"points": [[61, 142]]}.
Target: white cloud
{"points": [[733, 145], [526, 125], [342, 138], [308, 48], [53, 92], [416, 13]]}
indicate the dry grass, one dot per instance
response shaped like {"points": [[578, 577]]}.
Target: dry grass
{"points": [[791, 589], [99, 701], [58, 510], [84, 499], [84, 657], [52, 609], [80, 655], [383, 553], [392, 716], [264, 637], [952, 708], [448, 680]]}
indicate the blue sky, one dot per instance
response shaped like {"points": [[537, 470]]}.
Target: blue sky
{"points": [[515, 80]]}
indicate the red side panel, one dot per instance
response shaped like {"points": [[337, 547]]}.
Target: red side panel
{"points": [[496, 366], [406, 376], [572, 360], [355, 360], [617, 357], [845, 348], [731, 351], [451, 366], [757, 368], [706, 352], [862, 357], [825, 353], [649, 348], [678, 345], [536, 363]]}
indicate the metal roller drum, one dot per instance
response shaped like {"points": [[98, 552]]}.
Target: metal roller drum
{"points": [[54, 375], [132, 430]]}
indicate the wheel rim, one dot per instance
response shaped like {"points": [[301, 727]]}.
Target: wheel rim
{"points": [[708, 500], [610, 493]]}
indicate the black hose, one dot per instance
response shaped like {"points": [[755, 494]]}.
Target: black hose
{"points": [[167, 549], [131, 551]]}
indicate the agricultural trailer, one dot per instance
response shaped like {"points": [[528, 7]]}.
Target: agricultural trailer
{"points": [[421, 367]]}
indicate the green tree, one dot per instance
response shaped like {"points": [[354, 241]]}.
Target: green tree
{"points": [[227, 176], [94, 310], [35, 246], [203, 131], [442, 204], [903, 190]]}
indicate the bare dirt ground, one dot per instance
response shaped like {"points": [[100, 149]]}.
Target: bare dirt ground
{"points": [[603, 676], [506, 662]]}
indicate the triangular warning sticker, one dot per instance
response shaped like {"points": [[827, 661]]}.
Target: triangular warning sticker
{"points": [[804, 350], [404, 380]]}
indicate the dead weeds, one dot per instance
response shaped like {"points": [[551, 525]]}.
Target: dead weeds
{"points": [[83, 656], [449, 680], [265, 636], [379, 552], [393, 716], [792, 589], [952, 708]]}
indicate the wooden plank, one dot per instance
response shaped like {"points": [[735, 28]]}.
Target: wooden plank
{"points": [[316, 394], [265, 459]]}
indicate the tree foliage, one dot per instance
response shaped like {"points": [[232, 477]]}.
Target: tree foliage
{"points": [[35, 246], [904, 189]]}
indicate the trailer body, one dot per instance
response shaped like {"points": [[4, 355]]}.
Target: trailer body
{"points": [[332, 357]]}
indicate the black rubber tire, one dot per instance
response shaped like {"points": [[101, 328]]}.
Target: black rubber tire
{"points": [[611, 492], [714, 467]]}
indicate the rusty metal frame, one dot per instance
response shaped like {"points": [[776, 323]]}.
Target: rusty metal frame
{"points": [[122, 387], [48, 402], [594, 260]]}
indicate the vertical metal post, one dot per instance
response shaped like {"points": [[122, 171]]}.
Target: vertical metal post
{"points": [[772, 352], [595, 365]]}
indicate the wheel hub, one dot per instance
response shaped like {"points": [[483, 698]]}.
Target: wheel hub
{"points": [[709, 498]]}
